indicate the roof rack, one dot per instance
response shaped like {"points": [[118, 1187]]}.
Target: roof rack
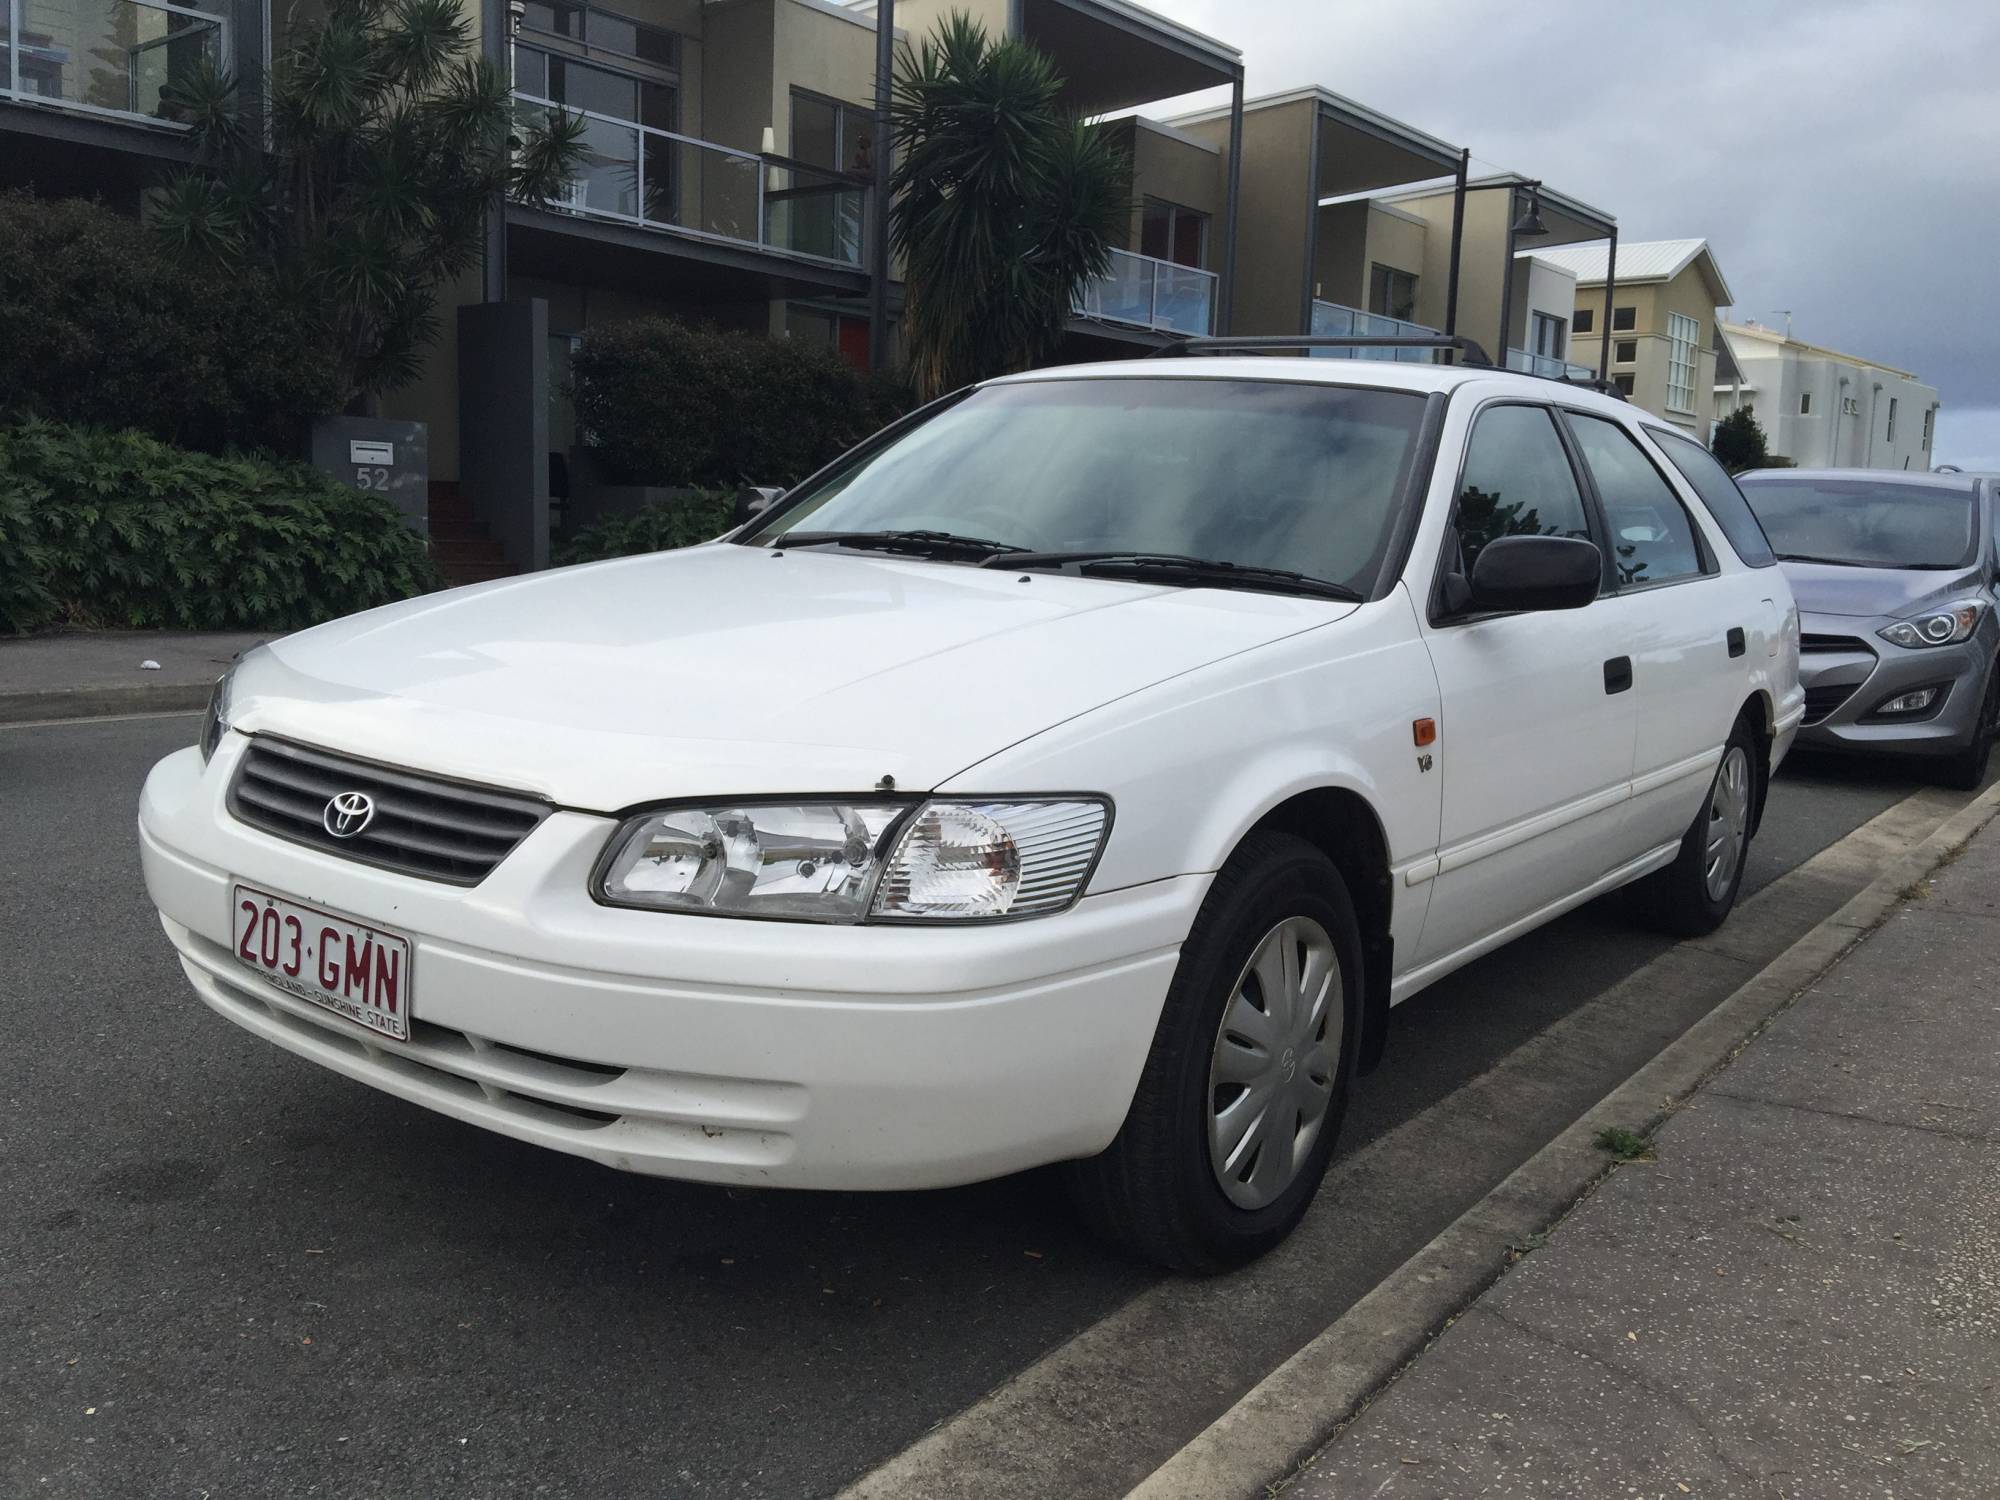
{"points": [[1469, 348]]}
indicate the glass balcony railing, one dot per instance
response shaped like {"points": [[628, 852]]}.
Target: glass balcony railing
{"points": [[1547, 366], [1149, 293], [1332, 320], [637, 174], [110, 57]]}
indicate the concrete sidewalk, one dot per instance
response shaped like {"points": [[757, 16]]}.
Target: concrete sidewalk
{"points": [[1799, 1297], [83, 674]]}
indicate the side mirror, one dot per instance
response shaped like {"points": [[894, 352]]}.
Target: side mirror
{"points": [[1519, 573], [754, 501]]}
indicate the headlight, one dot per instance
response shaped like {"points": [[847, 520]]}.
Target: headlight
{"points": [[942, 860], [1945, 628], [215, 718]]}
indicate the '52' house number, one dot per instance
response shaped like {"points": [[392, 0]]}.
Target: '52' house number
{"points": [[372, 462]]}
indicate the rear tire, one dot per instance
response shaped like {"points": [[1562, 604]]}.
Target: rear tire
{"points": [[1692, 896], [1234, 1120], [1966, 771]]}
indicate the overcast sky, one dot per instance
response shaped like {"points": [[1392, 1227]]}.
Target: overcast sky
{"points": [[1842, 158]]}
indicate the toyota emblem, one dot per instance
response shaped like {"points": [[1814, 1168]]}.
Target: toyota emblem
{"points": [[349, 813]]}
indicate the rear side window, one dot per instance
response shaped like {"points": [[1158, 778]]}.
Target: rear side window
{"points": [[1652, 536], [1719, 493], [1518, 482]]}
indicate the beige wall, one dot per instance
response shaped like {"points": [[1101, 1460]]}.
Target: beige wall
{"points": [[918, 19], [1482, 263], [822, 54], [1355, 237], [1688, 294], [1272, 223], [1174, 171]]}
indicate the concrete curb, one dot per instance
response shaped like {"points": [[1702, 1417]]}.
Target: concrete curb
{"points": [[1288, 1416], [103, 702]]}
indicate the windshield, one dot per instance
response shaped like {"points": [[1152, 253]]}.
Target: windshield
{"points": [[1865, 523], [1260, 473]]}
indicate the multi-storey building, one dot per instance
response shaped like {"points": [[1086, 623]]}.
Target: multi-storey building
{"points": [[1824, 409]]}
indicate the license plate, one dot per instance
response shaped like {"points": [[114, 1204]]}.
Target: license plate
{"points": [[358, 972]]}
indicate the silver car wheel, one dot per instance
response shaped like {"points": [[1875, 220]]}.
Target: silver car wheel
{"points": [[1277, 1052], [1728, 823]]}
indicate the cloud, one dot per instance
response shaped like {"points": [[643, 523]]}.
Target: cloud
{"points": [[1843, 159]]}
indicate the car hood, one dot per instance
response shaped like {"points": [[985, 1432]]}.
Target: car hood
{"points": [[1868, 592], [732, 671]]}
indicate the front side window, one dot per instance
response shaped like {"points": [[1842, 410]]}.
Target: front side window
{"points": [[1517, 482], [1652, 536], [1261, 473], [1683, 360], [1719, 493], [1866, 523]]}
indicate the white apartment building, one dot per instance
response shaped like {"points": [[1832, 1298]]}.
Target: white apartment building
{"points": [[1824, 409]]}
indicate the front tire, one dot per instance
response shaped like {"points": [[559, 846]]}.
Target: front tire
{"points": [[1966, 771], [1692, 896], [1234, 1120]]}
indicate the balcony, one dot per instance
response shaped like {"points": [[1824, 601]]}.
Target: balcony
{"points": [[1149, 293], [111, 57], [1547, 366], [1332, 320], [655, 179]]}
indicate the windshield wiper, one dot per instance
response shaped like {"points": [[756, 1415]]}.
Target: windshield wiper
{"points": [[922, 543], [1171, 566], [1829, 562]]}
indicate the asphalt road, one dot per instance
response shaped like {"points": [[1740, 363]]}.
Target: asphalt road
{"points": [[224, 1272]]}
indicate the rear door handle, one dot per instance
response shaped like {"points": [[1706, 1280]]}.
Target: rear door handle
{"points": [[1618, 674], [1736, 646]]}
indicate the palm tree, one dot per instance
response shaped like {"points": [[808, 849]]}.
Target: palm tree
{"points": [[390, 139], [1004, 205]]}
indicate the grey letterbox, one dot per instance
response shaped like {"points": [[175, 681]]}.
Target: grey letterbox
{"points": [[383, 457]]}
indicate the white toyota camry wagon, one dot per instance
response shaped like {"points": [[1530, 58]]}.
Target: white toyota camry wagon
{"points": [[1079, 772]]}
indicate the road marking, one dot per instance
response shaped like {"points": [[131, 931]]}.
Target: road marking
{"points": [[1094, 1416], [170, 713]]}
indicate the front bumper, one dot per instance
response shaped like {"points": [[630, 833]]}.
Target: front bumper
{"points": [[1848, 672], [712, 1049]]}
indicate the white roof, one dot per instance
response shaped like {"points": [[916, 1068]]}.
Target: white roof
{"points": [[1644, 260]]}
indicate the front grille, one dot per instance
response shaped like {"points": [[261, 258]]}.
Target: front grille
{"points": [[422, 825], [1809, 643], [1822, 701]]}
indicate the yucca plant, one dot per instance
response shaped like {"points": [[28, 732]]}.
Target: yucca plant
{"points": [[1005, 204], [389, 139]]}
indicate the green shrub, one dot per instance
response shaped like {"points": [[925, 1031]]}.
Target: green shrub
{"points": [[130, 532], [105, 329], [667, 403], [24, 602], [700, 517]]}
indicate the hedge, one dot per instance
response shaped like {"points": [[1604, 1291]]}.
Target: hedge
{"points": [[664, 402], [701, 517], [104, 328], [118, 529]]}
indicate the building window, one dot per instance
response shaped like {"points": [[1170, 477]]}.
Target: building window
{"points": [[832, 135], [1171, 233], [1850, 406], [1624, 384], [1624, 319], [1805, 403], [1683, 360], [1929, 412], [1546, 336], [1625, 351], [604, 30], [1392, 293], [1892, 419], [1586, 319], [823, 328]]}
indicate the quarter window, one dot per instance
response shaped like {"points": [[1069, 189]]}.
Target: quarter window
{"points": [[1652, 537], [1518, 482]]}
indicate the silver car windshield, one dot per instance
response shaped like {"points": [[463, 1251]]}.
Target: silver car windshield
{"points": [[1865, 523], [1257, 473]]}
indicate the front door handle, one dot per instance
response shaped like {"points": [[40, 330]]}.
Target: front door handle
{"points": [[1618, 674], [1736, 646]]}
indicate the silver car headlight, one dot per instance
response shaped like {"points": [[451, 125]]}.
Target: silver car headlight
{"points": [[942, 860], [215, 718], [1945, 627]]}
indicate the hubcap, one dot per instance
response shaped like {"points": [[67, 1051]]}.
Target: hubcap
{"points": [[1728, 822], [1270, 1078]]}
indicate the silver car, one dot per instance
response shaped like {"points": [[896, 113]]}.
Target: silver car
{"points": [[1894, 574]]}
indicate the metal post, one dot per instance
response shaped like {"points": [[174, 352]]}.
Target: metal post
{"points": [[14, 46], [1457, 244], [1312, 229], [496, 41], [878, 205], [1226, 294], [1610, 286], [1507, 279]]}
